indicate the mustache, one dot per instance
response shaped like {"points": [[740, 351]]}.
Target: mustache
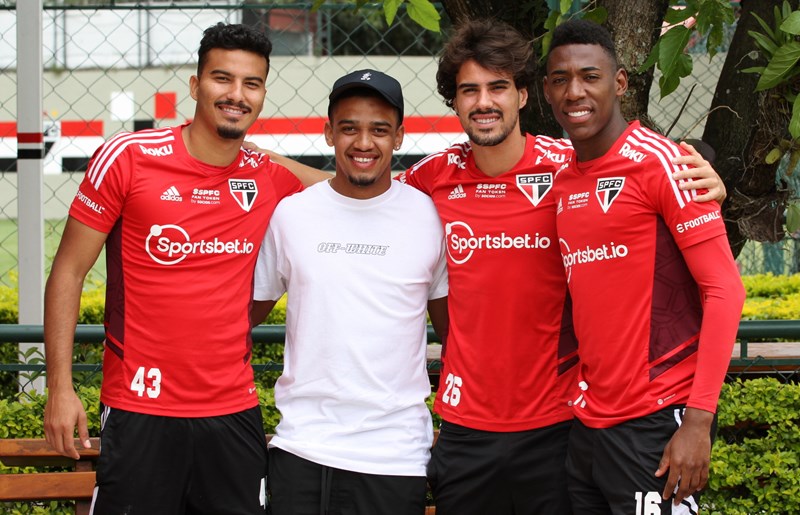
{"points": [[240, 105], [487, 111]]}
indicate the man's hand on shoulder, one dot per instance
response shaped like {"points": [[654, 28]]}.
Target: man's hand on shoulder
{"points": [[702, 175]]}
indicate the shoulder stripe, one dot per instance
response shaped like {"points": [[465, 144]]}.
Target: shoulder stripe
{"points": [[664, 150], [547, 141], [462, 149], [116, 145]]}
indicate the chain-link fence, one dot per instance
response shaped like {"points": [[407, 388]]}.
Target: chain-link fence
{"points": [[127, 66]]}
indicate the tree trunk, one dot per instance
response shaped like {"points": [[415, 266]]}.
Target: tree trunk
{"points": [[743, 126], [636, 27]]}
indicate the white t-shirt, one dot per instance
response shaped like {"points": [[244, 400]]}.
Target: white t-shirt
{"points": [[358, 275]]}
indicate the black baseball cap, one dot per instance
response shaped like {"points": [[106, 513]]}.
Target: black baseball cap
{"points": [[386, 86]]}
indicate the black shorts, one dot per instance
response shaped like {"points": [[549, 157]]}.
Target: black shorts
{"points": [[612, 470], [485, 472], [301, 487], [151, 465]]}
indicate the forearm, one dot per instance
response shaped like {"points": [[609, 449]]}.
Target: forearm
{"points": [[722, 297], [304, 173], [61, 308]]}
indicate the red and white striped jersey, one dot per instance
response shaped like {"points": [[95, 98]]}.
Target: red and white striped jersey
{"points": [[183, 238], [622, 222], [510, 353]]}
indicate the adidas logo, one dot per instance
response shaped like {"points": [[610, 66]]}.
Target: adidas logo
{"points": [[172, 194], [458, 192]]}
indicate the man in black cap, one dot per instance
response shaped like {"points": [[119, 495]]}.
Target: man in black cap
{"points": [[360, 257]]}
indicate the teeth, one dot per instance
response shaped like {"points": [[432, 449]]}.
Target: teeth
{"points": [[578, 113], [362, 159], [487, 120], [232, 110]]}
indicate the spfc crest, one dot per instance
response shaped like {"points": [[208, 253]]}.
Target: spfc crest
{"points": [[608, 189], [244, 191], [535, 186]]}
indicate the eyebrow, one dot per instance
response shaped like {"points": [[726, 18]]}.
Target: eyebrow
{"points": [[584, 69], [379, 123], [474, 84], [229, 74]]}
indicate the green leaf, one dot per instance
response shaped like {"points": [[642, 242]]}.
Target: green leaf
{"points": [[794, 123], [792, 218], [424, 13], [774, 156], [651, 59], [770, 33], [315, 6], [564, 6], [781, 64], [754, 69], [390, 8], [598, 15], [766, 44], [792, 24], [675, 16], [671, 47]]}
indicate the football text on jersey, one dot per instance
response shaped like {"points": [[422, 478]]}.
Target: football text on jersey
{"points": [[244, 191], [608, 189]]}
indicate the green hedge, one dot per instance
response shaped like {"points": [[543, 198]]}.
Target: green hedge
{"points": [[754, 464]]}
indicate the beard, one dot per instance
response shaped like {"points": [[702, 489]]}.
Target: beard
{"points": [[362, 181], [227, 132], [490, 140]]}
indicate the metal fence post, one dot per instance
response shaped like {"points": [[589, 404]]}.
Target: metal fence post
{"points": [[30, 205]]}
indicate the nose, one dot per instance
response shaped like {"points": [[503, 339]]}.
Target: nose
{"points": [[235, 91], [484, 99], [363, 140], [575, 89]]}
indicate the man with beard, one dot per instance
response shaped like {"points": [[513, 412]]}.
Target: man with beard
{"points": [[181, 212]]}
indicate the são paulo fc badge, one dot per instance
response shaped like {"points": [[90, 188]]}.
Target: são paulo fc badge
{"points": [[244, 191], [535, 185], [608, 189]]}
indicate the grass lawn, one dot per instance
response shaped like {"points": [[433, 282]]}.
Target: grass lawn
{"points": [[52, 235]]}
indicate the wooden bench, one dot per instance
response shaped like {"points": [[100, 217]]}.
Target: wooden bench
{"points": [[76, 483]]}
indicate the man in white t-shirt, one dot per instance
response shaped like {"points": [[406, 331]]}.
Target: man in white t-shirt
{"points": [[360, 257]]}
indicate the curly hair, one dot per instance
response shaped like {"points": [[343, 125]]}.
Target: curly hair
{"points": [[583, 32], [494, 45], [233, 36]]}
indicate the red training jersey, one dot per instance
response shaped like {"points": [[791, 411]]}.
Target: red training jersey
{"points": [[183, 238], [510, 352], [622, 222]]}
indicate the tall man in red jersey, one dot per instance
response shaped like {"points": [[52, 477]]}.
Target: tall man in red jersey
{"points": [[656, 294], [182, 212]]}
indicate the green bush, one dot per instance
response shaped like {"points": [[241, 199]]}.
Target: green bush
{"points": [[756, 458]]}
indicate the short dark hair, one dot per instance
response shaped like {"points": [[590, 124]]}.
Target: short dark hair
{"points": [[494, 45], [583, 32], [233, 36]]}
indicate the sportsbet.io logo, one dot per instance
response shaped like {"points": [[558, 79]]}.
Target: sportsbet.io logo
{"points": [[170, 244], [462, 242]]}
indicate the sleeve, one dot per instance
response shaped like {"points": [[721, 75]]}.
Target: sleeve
{"points": [[421, 176], [268, 283], [723, 294], [690, 222], [284, 181], [101, 195], [439, 284]]}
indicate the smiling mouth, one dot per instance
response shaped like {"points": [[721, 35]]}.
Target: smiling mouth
{"points": [[233, 109], [363, 160], [577, 114]]}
